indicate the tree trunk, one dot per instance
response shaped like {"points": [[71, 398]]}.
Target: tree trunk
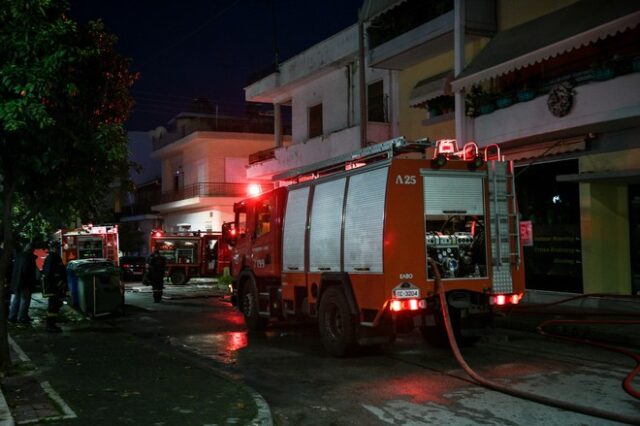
{"points": [[5, 356]]}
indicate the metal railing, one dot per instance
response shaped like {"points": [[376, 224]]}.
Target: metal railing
{"points": [[264, 155]]}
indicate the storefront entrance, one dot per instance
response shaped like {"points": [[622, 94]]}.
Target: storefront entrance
{"points": [[553, 258]]}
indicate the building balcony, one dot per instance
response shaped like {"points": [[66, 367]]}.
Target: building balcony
{"points": [[597, 106], [415, 31], [316, 149], [234, 126], [205, 189]]}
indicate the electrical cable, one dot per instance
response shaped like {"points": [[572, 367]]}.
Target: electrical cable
{"points": [[590, 411]]}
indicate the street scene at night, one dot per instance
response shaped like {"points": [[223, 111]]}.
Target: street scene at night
{"points": [[356, 212]]}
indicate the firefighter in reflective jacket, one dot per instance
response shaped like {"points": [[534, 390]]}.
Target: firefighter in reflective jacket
{"points": [[55, 285], [156, 264]]}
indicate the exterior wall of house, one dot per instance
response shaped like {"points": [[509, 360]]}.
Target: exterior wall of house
{"points": [[205, 158], [605, 113], [512, 13]]}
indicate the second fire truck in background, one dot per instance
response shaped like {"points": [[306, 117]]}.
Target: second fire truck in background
{"points": [[191, 254]]}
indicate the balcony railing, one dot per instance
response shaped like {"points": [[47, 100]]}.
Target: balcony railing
{"points": [[208, 189], [264, 155]]}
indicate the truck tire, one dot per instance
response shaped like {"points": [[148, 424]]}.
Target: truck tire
{"points": [[337, 325], [249, 305], [178, 277]]}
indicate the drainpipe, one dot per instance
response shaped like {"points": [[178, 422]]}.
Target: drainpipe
{"points": [[363, 86], [458, 65]]}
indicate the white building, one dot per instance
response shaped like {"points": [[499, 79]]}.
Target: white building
{"points": [[322, 87], [204, 167]]}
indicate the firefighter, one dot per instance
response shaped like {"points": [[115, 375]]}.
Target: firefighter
{"points": [[156, 264], [23, 283], [55, 285]]}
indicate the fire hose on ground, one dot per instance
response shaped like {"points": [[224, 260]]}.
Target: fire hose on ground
{"points": [[628, 380], [564, 405]]}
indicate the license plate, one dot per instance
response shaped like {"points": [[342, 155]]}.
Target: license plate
{"points": [[404, 293]]}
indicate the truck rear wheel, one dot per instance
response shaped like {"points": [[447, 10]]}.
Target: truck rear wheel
{"points": [[249, 305], [337, 325], [178, 277]]}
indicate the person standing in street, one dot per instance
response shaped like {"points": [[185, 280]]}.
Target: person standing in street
{"points": [[156, 264], [55, 286], [23, 283]]}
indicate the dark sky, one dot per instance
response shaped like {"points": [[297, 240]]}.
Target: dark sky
{"points": [[208, 48]]}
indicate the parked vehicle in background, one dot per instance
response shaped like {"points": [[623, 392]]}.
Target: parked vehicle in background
{"points": [[132, 267], [191, 254], [353, 242], [89, 242]]}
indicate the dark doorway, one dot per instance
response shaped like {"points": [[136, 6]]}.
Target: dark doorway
{"points": [[554, 259]]}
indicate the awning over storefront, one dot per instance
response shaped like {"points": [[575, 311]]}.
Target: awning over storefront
{"points": [[574, 26], [430, 88], [631, 176], [372, 8], [545, 149]]}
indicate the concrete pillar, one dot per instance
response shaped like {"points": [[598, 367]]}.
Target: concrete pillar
{"points": [[277, 125], [458, 62]]}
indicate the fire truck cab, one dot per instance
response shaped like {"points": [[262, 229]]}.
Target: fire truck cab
{"points": [[347, 244], [191, 254], [88, 242]]}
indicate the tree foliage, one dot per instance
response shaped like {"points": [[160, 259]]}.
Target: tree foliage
{"points": [[64, 96]]}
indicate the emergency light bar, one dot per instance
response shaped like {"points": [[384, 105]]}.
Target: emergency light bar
{"points": [[448, 149]]}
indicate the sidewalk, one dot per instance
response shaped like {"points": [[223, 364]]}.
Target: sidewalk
{"points": [[93, 373], [538, 307]]}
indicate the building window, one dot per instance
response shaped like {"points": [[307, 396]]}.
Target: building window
{"points": [[376, 102], [315, 121]]}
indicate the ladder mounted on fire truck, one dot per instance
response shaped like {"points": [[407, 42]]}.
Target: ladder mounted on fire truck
{"points": [[363, 156]]}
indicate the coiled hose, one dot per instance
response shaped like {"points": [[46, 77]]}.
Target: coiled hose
{"points": [[590, 411]]}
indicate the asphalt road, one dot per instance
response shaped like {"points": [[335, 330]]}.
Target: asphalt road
{"points": [[407, 383]]}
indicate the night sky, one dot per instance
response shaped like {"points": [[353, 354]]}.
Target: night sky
{"points": [[208, 48]]}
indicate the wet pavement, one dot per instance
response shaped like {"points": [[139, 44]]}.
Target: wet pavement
{"points": [[94, 373], [187, 344]]}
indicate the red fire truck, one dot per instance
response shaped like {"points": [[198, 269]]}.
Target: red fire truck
{"points": [[347, 244], [88, 242], [191, 254]]}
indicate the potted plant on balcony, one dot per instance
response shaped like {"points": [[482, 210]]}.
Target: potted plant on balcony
{"points": [[440, 105], [525, 92], [478, 102], [603, 70]]}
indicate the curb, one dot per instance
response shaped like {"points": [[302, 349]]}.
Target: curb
{"points": [[6, 418]]}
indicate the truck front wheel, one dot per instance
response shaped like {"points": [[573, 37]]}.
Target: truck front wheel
{"points": [[178, 277], [249, 306], [337, 325]]}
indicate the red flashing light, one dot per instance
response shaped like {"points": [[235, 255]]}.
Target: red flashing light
{"points": [[505, 299], [157, 234], [254, 189], [398, 305]]}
